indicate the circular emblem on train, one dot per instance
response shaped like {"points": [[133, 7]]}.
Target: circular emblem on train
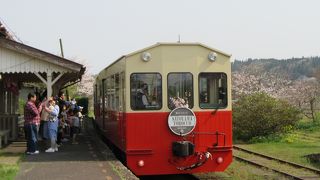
{"points": [[182, 121]]}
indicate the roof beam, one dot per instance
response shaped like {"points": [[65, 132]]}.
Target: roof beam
{"points": [[40, 77], [49, 82]]}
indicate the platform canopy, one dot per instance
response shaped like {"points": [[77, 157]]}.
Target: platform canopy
{"points": [[21, 63]]}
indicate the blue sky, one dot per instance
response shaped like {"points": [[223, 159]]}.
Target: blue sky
{"points": [[100, 31]]}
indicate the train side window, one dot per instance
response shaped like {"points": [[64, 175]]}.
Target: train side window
{"points": [[146, 91], [112, 93], [213, 90], [100, 99], [180, 90], [108, 93], [117, 90]]}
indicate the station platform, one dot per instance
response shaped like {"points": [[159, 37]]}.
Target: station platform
{"points": [[90, 159]]}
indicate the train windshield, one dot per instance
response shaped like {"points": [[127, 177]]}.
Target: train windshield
{"points": [[146, 91], [212, 90], [180, 90]]}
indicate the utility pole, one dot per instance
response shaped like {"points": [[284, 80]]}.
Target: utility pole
{"points": [[62, 55], [61, 47]]}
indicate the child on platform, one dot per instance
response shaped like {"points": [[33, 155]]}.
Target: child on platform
{"points": [[75, 125]]}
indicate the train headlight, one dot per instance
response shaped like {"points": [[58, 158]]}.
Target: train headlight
{"points": [[146, 56], [141, 163], [219, 160], [212, 56]]}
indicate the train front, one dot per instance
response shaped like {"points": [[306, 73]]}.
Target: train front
{"points": [[179, 119]]}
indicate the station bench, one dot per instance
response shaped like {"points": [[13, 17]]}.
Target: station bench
{"points": [[4, 134]]}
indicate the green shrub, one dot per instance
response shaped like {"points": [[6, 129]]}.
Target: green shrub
{"points": [[84, 102], [259, 115], [308, 125], [277, 137], [22, 102]]}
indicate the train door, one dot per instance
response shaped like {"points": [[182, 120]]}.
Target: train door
{"points": [[96, 107], [122, 109]]}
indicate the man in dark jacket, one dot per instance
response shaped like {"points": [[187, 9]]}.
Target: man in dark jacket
{"points": [[61, 102]]}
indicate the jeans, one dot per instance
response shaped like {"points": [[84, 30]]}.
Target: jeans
{"points": [[31, 132]]}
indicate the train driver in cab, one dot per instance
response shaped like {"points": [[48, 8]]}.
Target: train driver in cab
{"points": [[142, 97]]}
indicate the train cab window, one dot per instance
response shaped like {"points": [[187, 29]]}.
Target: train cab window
{"points": [[146, 91], [212, 90], [180, 90]]}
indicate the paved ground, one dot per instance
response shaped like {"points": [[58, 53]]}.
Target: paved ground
{"points": [[90, 159]]}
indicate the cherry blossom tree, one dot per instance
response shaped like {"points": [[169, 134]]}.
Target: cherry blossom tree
{"points": [[303, 93]]}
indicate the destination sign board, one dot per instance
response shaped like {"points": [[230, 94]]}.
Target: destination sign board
{"points": [[182, 121]]}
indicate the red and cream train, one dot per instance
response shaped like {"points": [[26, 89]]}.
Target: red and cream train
{"points": [[167, 109]]}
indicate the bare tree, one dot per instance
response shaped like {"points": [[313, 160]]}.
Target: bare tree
{"points": [[307, 93]]}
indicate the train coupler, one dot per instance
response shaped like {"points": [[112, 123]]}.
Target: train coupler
{"points": [[182, 148]]}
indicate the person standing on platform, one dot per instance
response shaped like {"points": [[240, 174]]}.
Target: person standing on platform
{"points": [[44, 119], [60, 102], [31, 122], [75, 125], [52, 124]]}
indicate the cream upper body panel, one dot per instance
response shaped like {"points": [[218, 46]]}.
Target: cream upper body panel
{"points": [[178, 57]]}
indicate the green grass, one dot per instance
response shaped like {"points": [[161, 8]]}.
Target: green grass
{"points": [[294, 146], [294, 152], [8, 171]]}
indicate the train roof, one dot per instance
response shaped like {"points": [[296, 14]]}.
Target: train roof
{"points": [[175, 44], [168, 44]]}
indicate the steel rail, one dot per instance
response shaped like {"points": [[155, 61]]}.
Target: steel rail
{"points": [[262, 166], [317, 171]]}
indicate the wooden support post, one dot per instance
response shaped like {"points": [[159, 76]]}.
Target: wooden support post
{"points": [[49, 85], [49, 82]]}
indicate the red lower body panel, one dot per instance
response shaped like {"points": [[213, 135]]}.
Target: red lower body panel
{"points": [[146, 138], [149, 140]]}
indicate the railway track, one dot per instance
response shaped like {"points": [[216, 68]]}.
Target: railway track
{"points": [[285, 168]]}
